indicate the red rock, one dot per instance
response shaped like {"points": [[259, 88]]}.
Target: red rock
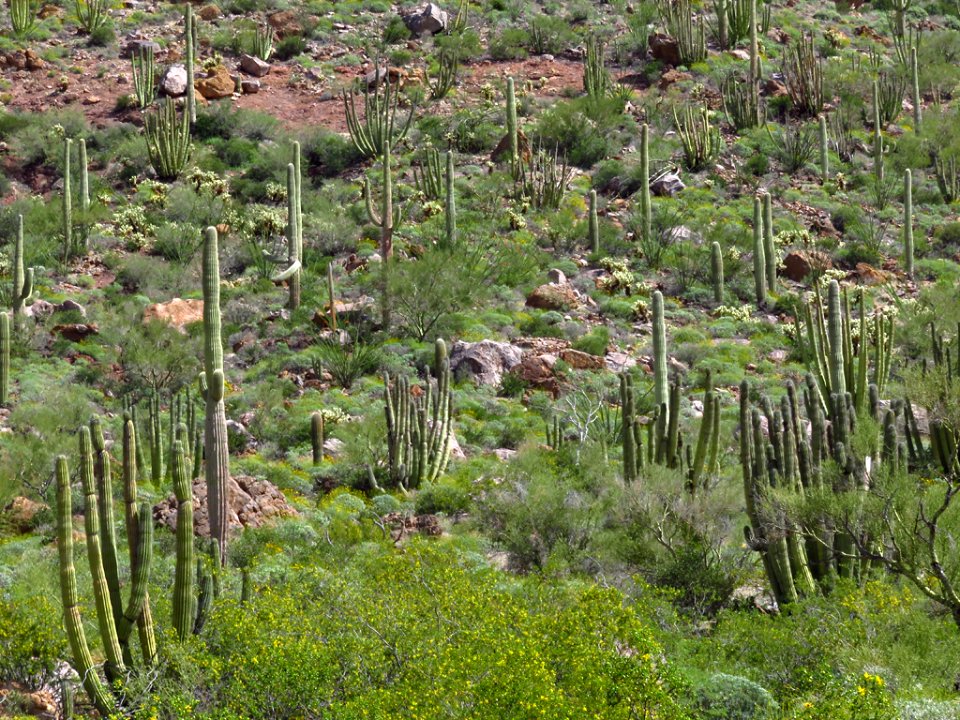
{"points": [[553, 297], [76, 332], [664, 48], [580, 360], [177, 313]]}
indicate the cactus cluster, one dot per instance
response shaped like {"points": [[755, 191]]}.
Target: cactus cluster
{"points": [[379, 129], [168, 140], [419, 425]]}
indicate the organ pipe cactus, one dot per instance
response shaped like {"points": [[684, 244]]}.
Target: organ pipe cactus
{"points": [[331, 292], [877, 136], [4, 358], [628, 427], [419, 428], [168, 140], [217, 470], [379, 128], [716, 271], [183, 584], [82, 659], [22, 278]]}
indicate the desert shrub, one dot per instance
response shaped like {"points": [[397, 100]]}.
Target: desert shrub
{"points": [[442, 497], [30, 645], [583, 131], [509, 43], [730, 697], [594, 342]]}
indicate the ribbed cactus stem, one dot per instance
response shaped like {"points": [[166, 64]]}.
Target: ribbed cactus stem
{"points": [[84, 177], [67, 208], [716, 271], [592, 225], [316, 436], [385, 218], [82, 659], [824, 147], [908, 222], [646, 210], [212, 381], [877, 135], [835, 360], [331, 292], [101, 590], [755, 64], [189, 37], [627, 422], [22, 278], [759, 260], [512, 125], [108, 536], [450, 212], [915, 84], [661, 388], [769, 251], [293, 251], [4, 358], [183, 597]]}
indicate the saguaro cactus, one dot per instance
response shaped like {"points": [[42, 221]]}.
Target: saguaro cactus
{"points": [[217, 470], [4, 358], [67, 212], [294, 264], [84, 177], [183, 597], [512, 129], [388, 218], [190, 41], [915, 84], [593, 226], [82, 659], [661, 387], [716, 271], [22, 278], [908, 222], [316, 436], [769, 251], [646, 210], [759, 259], [450, 212], [824, 146]]}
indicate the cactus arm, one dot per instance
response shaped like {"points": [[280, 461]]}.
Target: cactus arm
{"points": [[4, 358]]}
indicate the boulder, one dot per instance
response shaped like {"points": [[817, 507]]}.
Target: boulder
{"points": [[484, 362], [285, 23], [253, 503], [209, 12], [177, 313], [218, 84], [556, 276], [667, 184], [799, 263], [20, 514], [429, 21], [664, 48], [253, 65], [70, 306], [536, 372], [579, 360], [239, 438], [672, 77], [249, 86], [76, 332], [173, 82], [553, 296]]}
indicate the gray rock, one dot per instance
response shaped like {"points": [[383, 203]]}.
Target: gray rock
{"points": [[484, 362], [556, 276], [667, 185], [250, 86], [253, 65], [429, 21], [71, 305], [173, 82]]}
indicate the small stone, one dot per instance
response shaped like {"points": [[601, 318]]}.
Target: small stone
{"points": [[173, 82], [218, 84], [137, 45], [253, 65], [250, 86], [91, 100]]}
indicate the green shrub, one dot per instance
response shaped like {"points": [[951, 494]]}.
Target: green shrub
{"points": [[510, 43], [442, 497], [594, 342], [730, 697]]}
